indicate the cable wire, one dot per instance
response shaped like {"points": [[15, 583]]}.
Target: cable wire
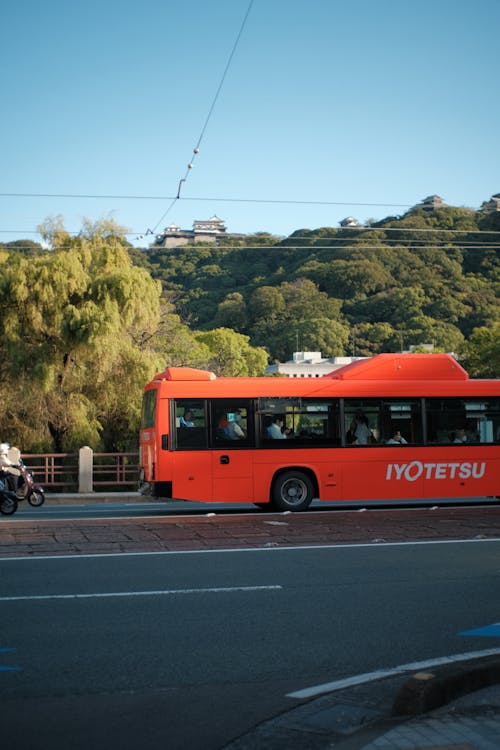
{"points": [[196, 149], [283, 201]]}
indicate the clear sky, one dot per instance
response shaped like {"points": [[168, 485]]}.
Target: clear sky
{"points": [[343, 102]]}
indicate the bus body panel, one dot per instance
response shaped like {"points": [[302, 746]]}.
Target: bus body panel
{"points": [[191, 475], [233, 472], [404, 472]]}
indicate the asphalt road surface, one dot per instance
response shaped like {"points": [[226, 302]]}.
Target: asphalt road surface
{"points": [[192, 649]]}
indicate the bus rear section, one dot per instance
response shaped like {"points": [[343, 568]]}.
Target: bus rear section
{"points": [[154, 466]]}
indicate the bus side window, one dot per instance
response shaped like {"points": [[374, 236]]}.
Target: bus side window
{"points": [[463, 420], [401, 422], [299, 422], [190, 425], [362, 421], [232, 423], [148, 409]]}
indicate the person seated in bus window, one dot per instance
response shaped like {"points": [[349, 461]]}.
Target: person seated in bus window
{"points": [[231, 426], [187, 419], [458, 436], [471, 433], [397, 439], [359, 429], [276, 430]]}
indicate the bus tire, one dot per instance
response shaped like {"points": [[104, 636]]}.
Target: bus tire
{"points": [[292, 490]]}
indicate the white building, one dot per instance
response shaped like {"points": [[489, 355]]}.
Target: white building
{"points": [[309, 365]]}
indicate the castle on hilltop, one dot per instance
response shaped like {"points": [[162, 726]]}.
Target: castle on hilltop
{"points": [[206, 230]]}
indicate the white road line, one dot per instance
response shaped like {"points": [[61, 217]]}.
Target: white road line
{"points": [[163, 592], [381, 545], [331, 687]]}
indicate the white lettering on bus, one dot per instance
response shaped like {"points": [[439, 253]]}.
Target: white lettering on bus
{"points": [[414, 470]]}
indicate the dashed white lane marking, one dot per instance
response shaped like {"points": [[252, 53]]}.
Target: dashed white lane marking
{"points": [[163, 592], [331, 687]]}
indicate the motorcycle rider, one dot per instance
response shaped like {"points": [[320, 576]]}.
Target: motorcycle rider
{"points": [[8, 472]]}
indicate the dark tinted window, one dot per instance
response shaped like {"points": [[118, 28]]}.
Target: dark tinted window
{"points": [[232, 423], [148, 409], [463, 420], [190, 424], [298, 422], [387, 421]]}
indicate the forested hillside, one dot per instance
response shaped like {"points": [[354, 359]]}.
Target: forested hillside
{"points": [[87, 322], [430, 276]]}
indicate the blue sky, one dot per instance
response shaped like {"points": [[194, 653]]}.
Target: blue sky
{"points": [[362, 102]]}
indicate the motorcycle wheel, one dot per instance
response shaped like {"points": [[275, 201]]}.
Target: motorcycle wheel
{"points": [[36, 498], [8, 506]]}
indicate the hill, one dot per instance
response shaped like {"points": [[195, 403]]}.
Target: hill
{"points": [[428, 276]]}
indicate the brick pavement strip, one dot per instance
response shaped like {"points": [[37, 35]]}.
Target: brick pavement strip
{"points": [[218, 531]]}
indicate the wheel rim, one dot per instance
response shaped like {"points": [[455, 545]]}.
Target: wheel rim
{"points": [[36, 498], [294, 491]]}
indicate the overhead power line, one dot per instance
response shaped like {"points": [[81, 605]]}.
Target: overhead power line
{"points": [[196, 149], [284, 201]]}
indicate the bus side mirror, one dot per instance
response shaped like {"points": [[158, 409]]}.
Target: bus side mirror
{"points": [[164, 442]]}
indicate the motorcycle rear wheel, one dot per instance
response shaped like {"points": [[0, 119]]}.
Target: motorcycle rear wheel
{"points": [[8, 506]]}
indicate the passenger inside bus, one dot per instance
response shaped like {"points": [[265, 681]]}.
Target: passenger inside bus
{"points": [[360, 430], [230, 427], [277, 430], [187, 419], [397, 439]]}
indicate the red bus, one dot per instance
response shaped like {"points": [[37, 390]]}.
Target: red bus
{"points": [[395, 426]]}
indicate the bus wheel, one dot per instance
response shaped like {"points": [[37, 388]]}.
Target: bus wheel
{"points": [[292, 490]]}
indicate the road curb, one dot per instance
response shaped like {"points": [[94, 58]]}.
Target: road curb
{"points": [[93, 498], [426, 691]]}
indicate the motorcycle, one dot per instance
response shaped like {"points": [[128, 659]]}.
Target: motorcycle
{"points": [[26, 487], [8, 500]]}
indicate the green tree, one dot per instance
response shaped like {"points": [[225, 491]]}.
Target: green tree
{"points": [[232, 312], [75, 325], [231, 354], [266, 303], [480, 355]]}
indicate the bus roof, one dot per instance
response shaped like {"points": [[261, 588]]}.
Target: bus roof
{"points": [[402, 367], [379, 367]]}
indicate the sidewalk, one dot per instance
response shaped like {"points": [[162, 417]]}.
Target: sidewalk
{"points": [[94, 498], [204, 528], [452, 707]]}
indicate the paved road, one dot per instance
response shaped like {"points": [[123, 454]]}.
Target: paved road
{"points": [[193, 649]]}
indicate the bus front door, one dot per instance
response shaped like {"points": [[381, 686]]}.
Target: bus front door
{"points": [[233, 476]]}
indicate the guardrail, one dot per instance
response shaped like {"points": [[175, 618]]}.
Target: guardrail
{"points": [[85, 471]]}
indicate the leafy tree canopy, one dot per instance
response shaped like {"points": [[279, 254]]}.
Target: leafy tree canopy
{"points": [[433, 273]]}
